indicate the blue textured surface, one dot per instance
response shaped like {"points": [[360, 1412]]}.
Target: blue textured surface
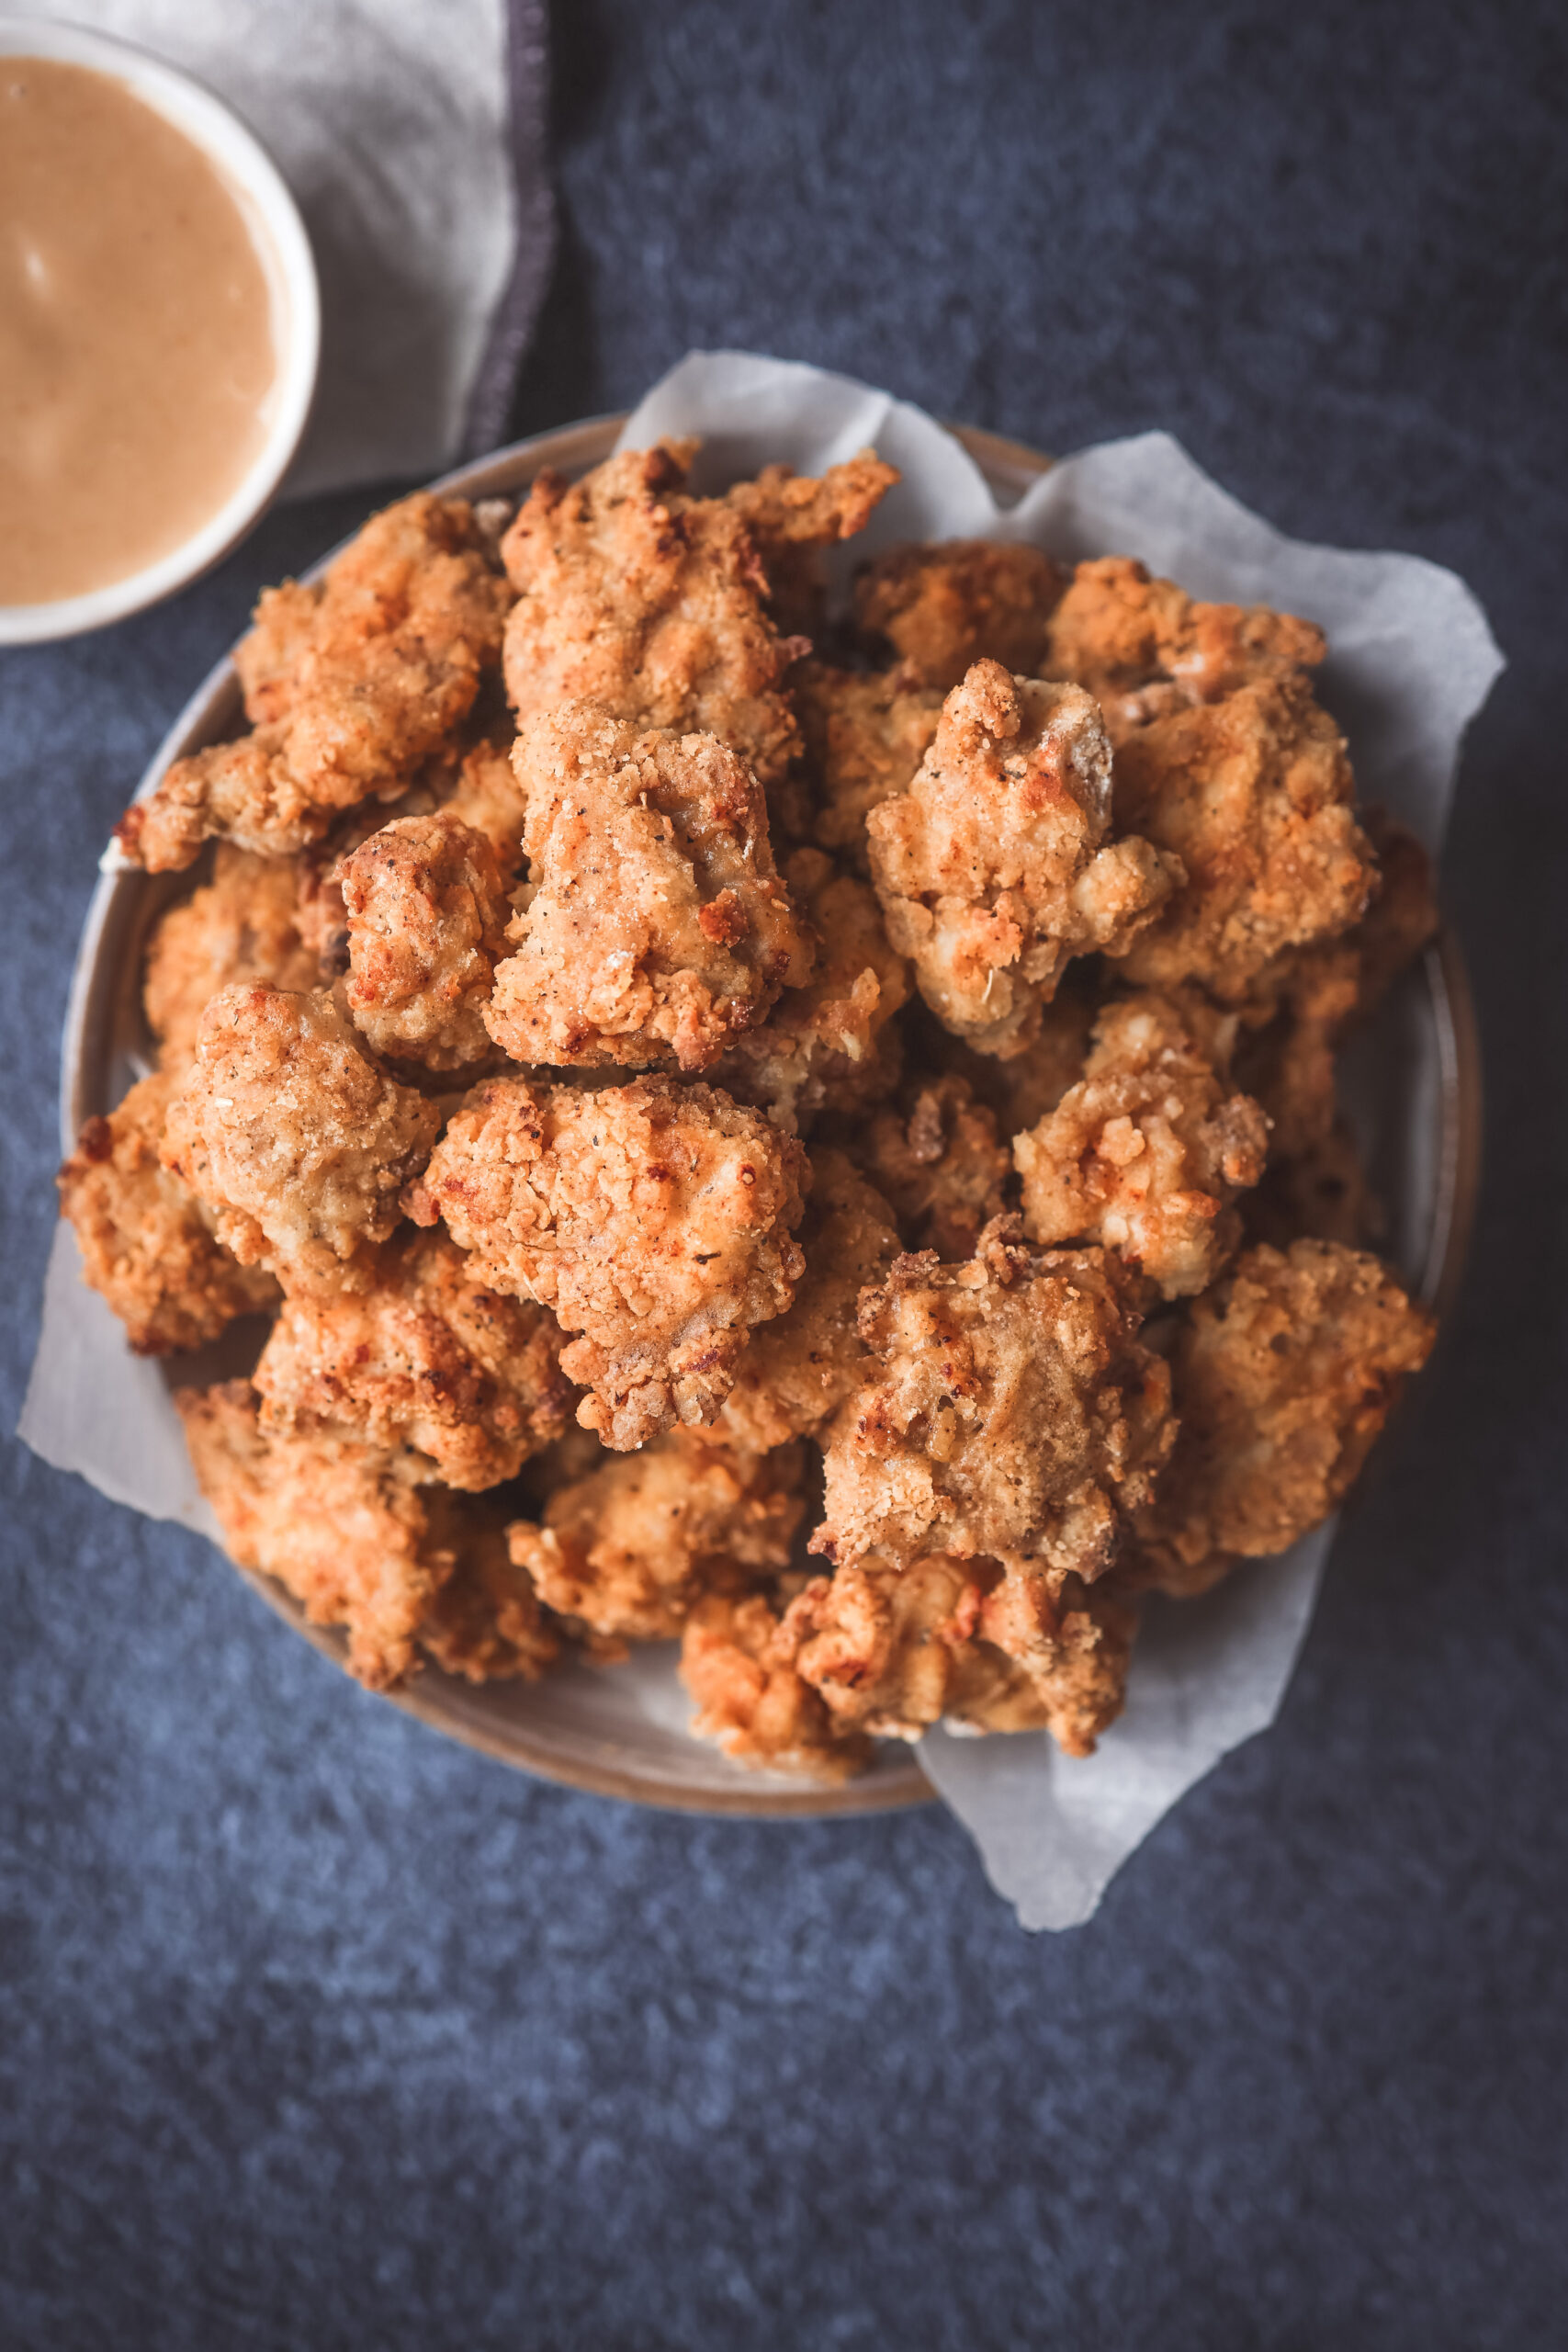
{"points": [[315, 2031]]}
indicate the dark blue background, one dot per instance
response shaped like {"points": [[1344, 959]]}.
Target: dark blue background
{"points": [[316, 2031]]}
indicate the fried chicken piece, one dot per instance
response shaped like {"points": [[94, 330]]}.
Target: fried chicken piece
{"points": [[487, 795], [146, 1245], [829, 1044], [485, 1622], [936, 1157], [1283, 1376], [802, 1365], [242, 925], [750, 1700], [292, 1135], [1143, 647], [349, 684], [1252, 794], [793, 517], [426, 909], [655, 1219], [995, 866], [628, 1549], [649, 603], [943, 608], [1402, 918], [1027, 1087], [340, 1525], [866, 733], [424, 1360], [658, 927], [1146, 1153], [1013, 1413]]}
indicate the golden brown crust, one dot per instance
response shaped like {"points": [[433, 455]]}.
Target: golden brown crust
{"points": [[242, 925], [753, 1702], [630, 1548], [791, 517], [286, 1129], [945, 608], [655, 1219], [424, 1360], [487, 795], [657, 927], [426, 905], [146, 1245], [867, 732], [996, 865], [937, 1157], [486, 1622], [349, 686]]}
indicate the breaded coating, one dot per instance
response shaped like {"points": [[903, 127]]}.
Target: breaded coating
{"points": [[937, 1157], [1402, 918], [800, 1367], [1252, 794], [485, 1622], [1146, 1153], [427, 910], [488, 794], [146, 1245], [1144, 648], [289, 1131], [867, 732], [793, 517], [657, 927], [829, 1043], [1283, 1376], [349, 686], [943, 608], [1013, 1413], [339, 1524], [995, 866], [628, 1549], [655, 1219], [242, 925], [751, 1701], [651, 604], [425, 1360], [1023, 1089]]}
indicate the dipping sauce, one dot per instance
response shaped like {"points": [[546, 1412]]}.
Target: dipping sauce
{"points": [[137, 358]]}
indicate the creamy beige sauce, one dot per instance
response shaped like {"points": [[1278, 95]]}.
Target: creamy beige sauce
{"points": [[137, 360]]}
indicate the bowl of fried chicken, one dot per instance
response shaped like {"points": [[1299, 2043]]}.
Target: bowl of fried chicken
{"points": [[639, 1108]]}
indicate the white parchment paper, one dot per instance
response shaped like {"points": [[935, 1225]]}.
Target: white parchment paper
{"points": [[1412, 659]]}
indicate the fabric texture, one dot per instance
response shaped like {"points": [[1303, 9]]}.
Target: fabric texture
{"points": [[317, 2031]]}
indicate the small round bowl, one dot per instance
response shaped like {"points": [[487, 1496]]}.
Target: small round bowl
{"points": [[284, 249]]}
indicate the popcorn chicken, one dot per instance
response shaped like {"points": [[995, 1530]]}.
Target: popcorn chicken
{"points": [[996, 866], [242, 925], [485, 1622], [750, 1700], [292, 1135], [425, 1361], [145, 1241], [426, 909], [946, 606], [630, 1548], [866, 733], [937, 1158], [349, 686], [658, 927], [488, 794], [1146, 1153], [1013, 1413], [793, 517], [655, 1219]]}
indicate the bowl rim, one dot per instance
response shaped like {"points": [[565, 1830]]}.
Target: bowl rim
{"points": [[111, 928], [282, 247]]}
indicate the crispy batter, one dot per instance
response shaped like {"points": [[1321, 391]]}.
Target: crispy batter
{"points": [[426, 909], [829, 1044], [943, 608], [650, 604], [801, 1366], [793, 517], [1144, 648], [867, 732], [1253, 795], [1146, 1153], [425, 1360], [937, 1157], [146, 1246], [1025, 1087], [289, 1131], [242, 925], [750, 1700], [1283, 1375], [349, 686], [656, 1219], [629, 1549], [1013, 1413], [488, 794], [658, 927], [485, 1622], [339, 1524], [995, 866]]}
